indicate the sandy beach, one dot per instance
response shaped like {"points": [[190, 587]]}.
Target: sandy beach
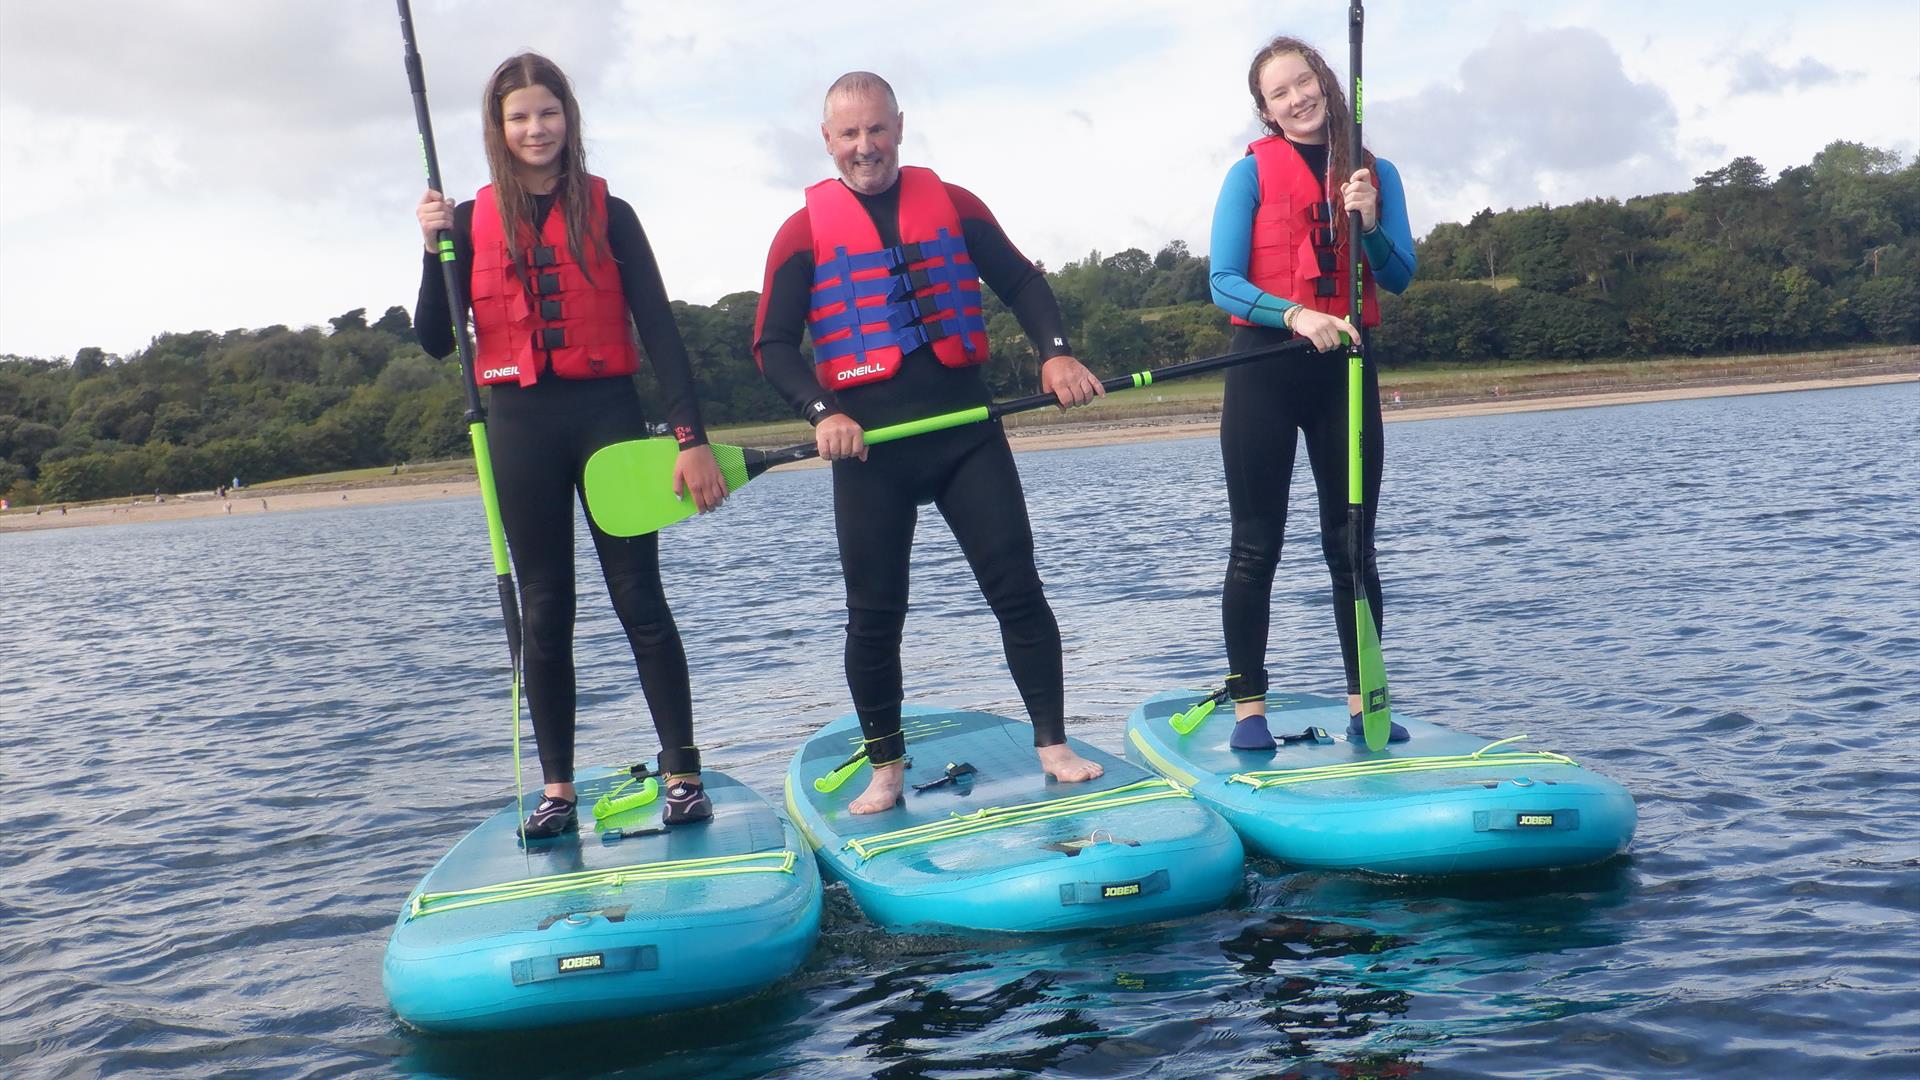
{"points": [[1088, 433]]}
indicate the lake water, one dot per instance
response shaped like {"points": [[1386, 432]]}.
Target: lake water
{"points": [[231, 746]]}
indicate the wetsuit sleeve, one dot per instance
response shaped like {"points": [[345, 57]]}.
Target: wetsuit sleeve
{"points": [[432, 321], [786, 295], [653, 317], [1021, 285], [1389, 247], [1232, 250]]}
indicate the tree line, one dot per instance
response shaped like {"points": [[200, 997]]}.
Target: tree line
{"points": [[1826, 253]]}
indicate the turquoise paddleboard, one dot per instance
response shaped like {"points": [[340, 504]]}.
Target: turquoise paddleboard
{"points": [[1426, 806], [1005, 847], [625, 921]]}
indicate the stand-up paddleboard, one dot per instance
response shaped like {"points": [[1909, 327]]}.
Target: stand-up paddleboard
{"points": [[1441, 803], [1001, 846], [624, 918]]}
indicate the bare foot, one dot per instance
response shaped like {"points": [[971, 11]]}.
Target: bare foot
{"points": [[883, 792], [1064, 765]]}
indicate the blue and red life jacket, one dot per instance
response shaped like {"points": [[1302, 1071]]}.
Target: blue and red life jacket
{"points": [[873, 305], [551, 305], [1294, 255]]}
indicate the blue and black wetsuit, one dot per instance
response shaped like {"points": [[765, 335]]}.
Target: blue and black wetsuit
{"points": [[1267, 403], [967, 472]]}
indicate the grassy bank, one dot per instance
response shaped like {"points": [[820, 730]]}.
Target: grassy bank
{"points": [[1199, 399], [1450, 385]]}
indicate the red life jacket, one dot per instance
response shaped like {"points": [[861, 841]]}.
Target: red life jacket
{"points": [[1293, 253], [871, 305], [551, 307]]}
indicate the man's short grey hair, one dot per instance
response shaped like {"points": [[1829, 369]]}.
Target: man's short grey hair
{"points": [[860, 82]]}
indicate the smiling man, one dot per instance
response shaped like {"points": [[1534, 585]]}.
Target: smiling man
{"points": [[883, 268]]}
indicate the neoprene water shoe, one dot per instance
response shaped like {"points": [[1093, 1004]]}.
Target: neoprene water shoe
{"points": [[1357, 731], [1251, 734], [553, 817], [686, 804]]}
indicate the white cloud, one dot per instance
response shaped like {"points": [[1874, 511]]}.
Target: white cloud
{"points": [[1753, 73], [186, 164]]}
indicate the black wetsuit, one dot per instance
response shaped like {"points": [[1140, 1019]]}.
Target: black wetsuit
{"points": [[967, 472], [1264, 406], [540, 437]]}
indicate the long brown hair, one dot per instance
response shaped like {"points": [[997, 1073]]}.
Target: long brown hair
{"points": [[1339, 123], [514, 200]]}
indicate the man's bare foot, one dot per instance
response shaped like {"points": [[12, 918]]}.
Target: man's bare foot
{"points": [[1064, 765], [883, 792]]}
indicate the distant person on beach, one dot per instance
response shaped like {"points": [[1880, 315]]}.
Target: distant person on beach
{"points": [[883, 268], [560, 273], [1281, 268]]}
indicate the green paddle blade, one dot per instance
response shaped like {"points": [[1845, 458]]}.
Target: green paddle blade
{"points": [[630, 484], [1376, 718]]}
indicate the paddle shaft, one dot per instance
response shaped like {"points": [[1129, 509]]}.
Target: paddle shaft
{"points": [[760, 461], [1369, 664], [476, 418]]}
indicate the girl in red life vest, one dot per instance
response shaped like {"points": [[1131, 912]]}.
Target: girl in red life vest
{"points": [[1281, 266], [560, 276]]}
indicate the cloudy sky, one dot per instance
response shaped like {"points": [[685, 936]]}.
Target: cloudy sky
{"points": [[172, 165]]}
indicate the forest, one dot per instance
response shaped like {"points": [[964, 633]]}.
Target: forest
{"points": [[1822, 255]]}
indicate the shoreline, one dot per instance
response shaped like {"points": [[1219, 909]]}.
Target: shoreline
{"points": [[384, 491]]}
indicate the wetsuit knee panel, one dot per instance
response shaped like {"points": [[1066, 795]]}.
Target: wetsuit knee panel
{"points": [[546, 616], [876, 626]]}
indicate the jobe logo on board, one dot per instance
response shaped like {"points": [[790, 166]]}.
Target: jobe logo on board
{"points": [[587, 962], [1537, 821], [1113, 892]]}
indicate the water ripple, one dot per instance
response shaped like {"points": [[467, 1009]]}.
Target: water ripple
{"points": [[234, 745]]}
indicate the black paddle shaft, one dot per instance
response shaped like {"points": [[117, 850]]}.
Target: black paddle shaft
{"points": [[449, 269], [450, 274], [759, 461], [1183, 370]]}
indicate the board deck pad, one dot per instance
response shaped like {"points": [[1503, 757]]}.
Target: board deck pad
{"points": [[1417, 807], [1119, 849], [656, 919]]}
